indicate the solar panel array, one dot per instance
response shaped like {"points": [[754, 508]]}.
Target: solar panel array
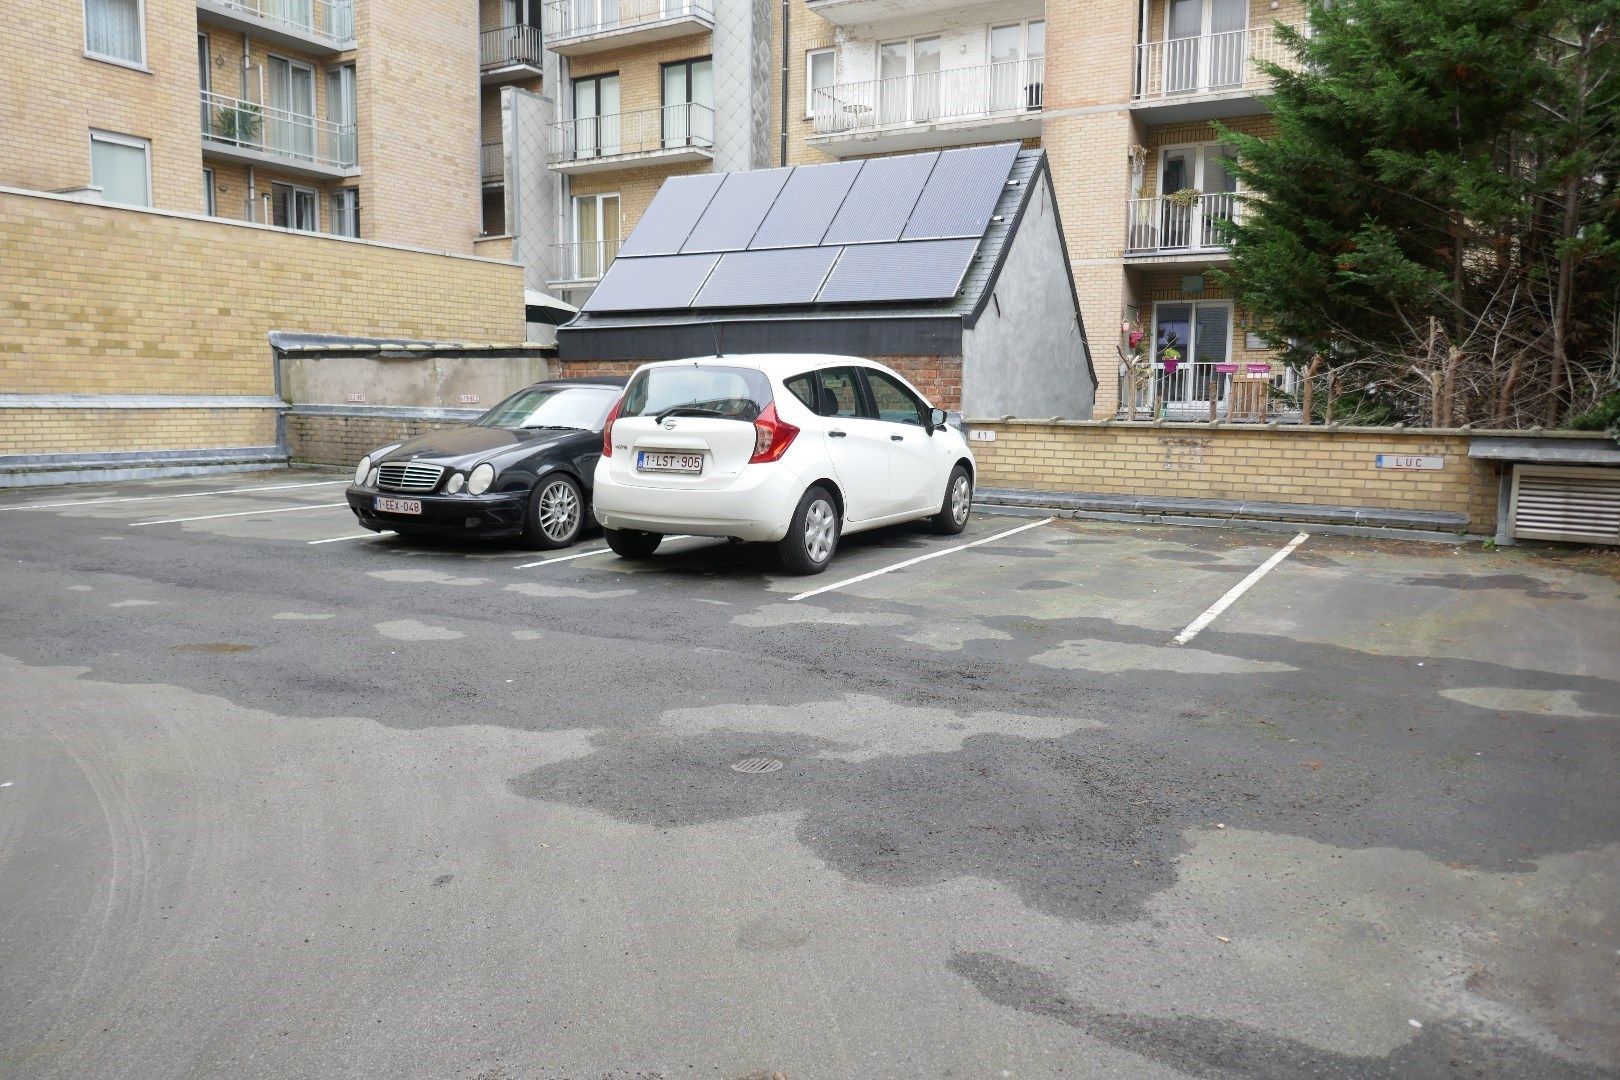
{"points": [[881, 230]]}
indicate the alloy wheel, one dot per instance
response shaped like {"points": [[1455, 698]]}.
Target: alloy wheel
{"points": [[559, 510], [820, 530], [961, 499]]}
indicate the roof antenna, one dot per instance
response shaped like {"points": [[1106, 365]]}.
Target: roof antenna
{"points": [[719, 333]]}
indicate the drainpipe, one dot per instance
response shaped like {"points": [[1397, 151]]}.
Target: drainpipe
{"points": [[785, 68], [242, 95]]}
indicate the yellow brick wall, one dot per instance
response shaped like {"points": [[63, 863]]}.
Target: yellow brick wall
{"points": [[103, 300], [59, 431], [51, 95], [806, 31], [1286, 465]]}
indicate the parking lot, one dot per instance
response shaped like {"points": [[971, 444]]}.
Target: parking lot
{"points": [[281, 798]]}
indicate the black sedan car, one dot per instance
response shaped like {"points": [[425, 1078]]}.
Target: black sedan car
{"points": [[522, 469]]}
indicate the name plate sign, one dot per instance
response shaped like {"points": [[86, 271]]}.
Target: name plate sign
{"points": [[1411, 461]]}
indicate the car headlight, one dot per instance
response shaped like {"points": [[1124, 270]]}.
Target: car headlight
{"points": [[479, 480], [371, 481], [362, 469], [456, 482]]}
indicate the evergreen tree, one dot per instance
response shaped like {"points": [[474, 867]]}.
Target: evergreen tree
{"points": [[1436, 219]]}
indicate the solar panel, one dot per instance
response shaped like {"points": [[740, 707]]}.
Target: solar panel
{"points": [[761, 278], [669, 218], [881, 200], [915, 270], [663, 281], [807, 205], [736, 211], [961, 192]]}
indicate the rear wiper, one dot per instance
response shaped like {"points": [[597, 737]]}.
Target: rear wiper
{"points": [[689, 409], [552, 427]]}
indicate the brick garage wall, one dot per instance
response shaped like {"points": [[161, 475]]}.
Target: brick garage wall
{"points": [[938, 377], [1305, 465], [55, 431], [342, 440]]}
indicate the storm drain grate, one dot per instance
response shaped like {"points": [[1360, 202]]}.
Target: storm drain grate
{"points": [[757, 765]]}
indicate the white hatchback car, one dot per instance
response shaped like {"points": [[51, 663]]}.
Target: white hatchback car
{"points": [[796, 450]]}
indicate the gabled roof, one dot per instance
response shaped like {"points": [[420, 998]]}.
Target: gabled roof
{"points": [[688, 311]]}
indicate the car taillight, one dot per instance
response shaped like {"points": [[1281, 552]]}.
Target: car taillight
{"points": [[772, 437], [607, 429]]}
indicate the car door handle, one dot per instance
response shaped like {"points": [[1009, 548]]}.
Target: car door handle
{"points": [[897, 438], [836, 434]]}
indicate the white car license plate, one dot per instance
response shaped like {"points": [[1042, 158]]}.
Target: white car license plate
{"points": [[398, 506], [650, 462]]}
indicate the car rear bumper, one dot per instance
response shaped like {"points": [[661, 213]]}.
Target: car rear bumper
{"points": [[444, 515], [758, 507]]}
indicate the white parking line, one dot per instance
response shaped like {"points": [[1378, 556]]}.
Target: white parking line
{"points": [[241, 513], [921, 558], [183, 495], [581, 555], [1238, 590], [351, 536]]}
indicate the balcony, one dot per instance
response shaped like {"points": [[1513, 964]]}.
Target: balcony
{"points": [[255, 134], [320, 27], [1210, 391], [583, 263], [674, 133], [509, 54], [1173, 230], [1206, 77], [492, 163], [862, 12], [986, 103], [589, 26]]}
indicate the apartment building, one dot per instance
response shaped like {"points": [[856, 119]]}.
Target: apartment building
{"points": [[344, 117], [1121, 96]]}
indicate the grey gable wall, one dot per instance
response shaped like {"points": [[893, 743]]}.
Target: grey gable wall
{"points": [[1026, 356]]}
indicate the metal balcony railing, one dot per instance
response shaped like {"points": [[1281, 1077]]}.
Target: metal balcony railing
{"points": [[1207, 390], [986, 90], [229, 121], [576, 18], [586, 260], [507, 46], [1207, 64], [329, 19], [643, 130], [1169, 224], [491, 162]]}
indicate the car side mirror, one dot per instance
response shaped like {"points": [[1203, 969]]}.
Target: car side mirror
{"points": [[936, 420]]}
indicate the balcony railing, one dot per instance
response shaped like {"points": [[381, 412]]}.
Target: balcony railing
{"points": [[492, 162], [228, 121], [1208, 64], [1172, 225], [987, 90], [509, 46], [329, 19], [1208, 391], [586, 260], [644, 130], [577, 18]]}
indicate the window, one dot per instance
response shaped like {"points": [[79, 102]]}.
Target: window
{"points": [[115, 30], [345, 212], [908, 80], [894, 402], [121, 167], [1017, 66], [840, 393], [698, 390], [596, 116], [818, 81], [294, 208], [290, 120], [689, 103], [209, 207], [340, 110], [596, 235]]}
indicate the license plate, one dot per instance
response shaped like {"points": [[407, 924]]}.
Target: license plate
{"points": [[398, 506], [650, 462]]}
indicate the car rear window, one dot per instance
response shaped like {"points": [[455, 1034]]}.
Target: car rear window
{"points": [[732, 393]]}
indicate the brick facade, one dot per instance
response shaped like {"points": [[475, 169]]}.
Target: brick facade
{"points": [[1305, 465], [343, 440]]}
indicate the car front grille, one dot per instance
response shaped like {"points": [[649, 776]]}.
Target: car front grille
{"points": [[408, 476]]}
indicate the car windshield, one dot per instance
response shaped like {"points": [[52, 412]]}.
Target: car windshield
{"points": [[581, 407], [730, 393]]}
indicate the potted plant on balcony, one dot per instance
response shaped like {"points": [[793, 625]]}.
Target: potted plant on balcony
{"points": [[1185, 197], [1136, 367], [238, 124]]}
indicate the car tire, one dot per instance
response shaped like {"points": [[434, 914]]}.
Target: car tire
{"points": [[632, 543], [958, 505], [555, 513], [812, 538]]}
